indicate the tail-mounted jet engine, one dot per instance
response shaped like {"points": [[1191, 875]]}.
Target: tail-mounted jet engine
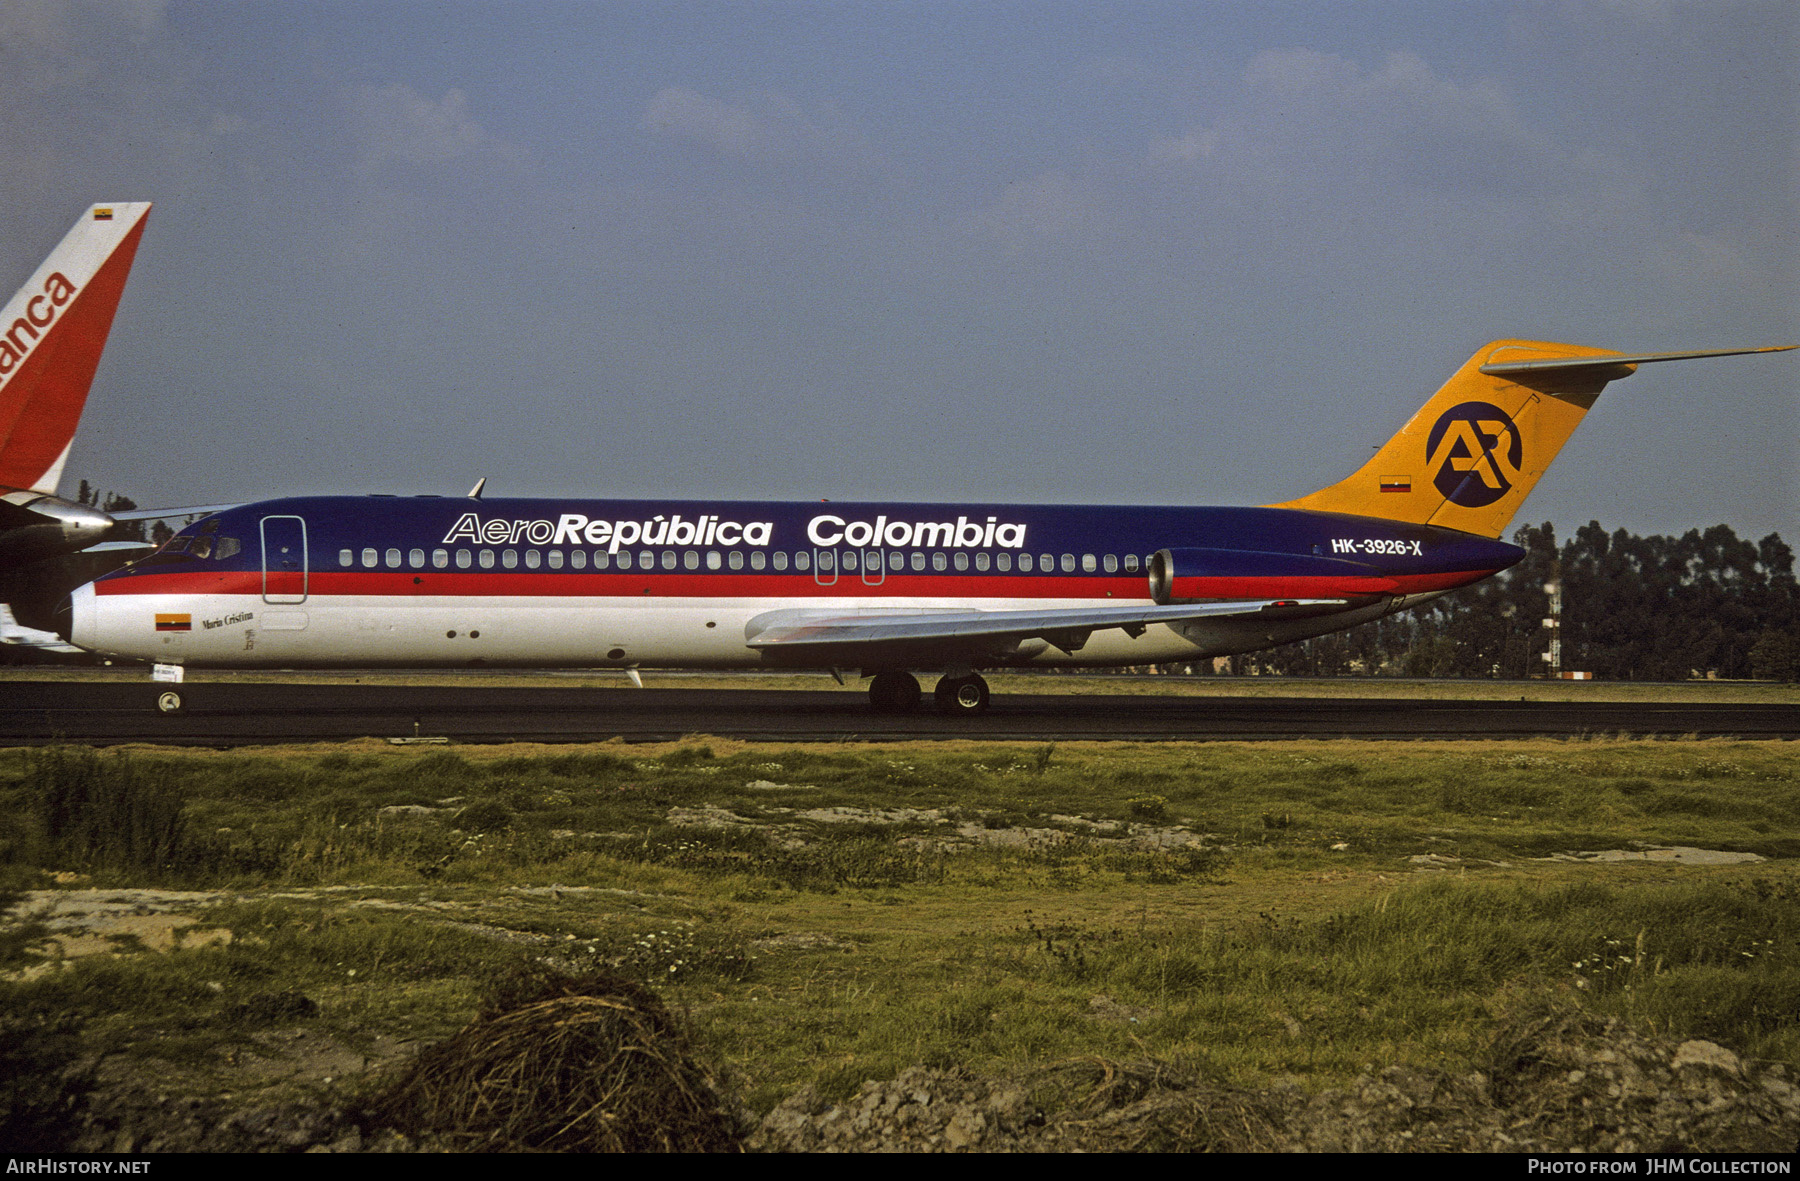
{"points": [[1192, 575]]}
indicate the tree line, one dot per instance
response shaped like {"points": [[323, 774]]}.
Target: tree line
{"points": [[1706, 604]]}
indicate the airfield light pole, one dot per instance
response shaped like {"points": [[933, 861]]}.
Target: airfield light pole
{"points": [[1553, 588]]}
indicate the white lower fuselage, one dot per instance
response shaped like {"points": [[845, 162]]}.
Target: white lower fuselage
{"points": [[240, 631]]}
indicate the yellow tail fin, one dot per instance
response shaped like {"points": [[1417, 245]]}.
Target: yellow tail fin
{"points": [[1471, 455]]}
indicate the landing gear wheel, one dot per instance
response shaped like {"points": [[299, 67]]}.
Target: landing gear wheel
{"points": [[894, 693], [961, 695], [169, 702]]}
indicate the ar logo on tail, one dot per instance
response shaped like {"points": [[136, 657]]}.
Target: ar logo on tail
{"points": [[1474, 454]]}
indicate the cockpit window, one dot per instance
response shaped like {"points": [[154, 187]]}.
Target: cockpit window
{"points": [[207, 544]]}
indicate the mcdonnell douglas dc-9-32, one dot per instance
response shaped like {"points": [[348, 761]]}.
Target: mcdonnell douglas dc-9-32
{"points": [[882, 590]]}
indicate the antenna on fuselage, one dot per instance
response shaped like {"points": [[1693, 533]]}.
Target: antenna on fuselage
{"points": [[475, 492]]}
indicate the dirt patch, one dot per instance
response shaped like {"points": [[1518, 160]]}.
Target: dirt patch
{"points": [[82, 923], [1661, 854]]}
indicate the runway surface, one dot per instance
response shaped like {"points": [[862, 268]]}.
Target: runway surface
{"points": [[242, 714]]}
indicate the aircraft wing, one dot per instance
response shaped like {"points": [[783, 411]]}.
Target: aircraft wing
{"points": [[927, 636], [169, 514]]}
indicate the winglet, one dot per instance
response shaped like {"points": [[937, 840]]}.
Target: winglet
{"points": [[51, 336]]}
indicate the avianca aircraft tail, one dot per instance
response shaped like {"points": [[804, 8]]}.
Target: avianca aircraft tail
{"points": [[51, 336], [1471, 455]]}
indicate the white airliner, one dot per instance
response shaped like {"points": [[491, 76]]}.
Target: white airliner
{"points": [[52, 333], [880, 589]]}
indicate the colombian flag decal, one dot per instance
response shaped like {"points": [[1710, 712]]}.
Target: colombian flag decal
{"points": [[174, 623], [1396, 483], [102, 214]]}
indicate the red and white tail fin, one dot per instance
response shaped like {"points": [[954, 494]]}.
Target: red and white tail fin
{"points": [[51, 336]]}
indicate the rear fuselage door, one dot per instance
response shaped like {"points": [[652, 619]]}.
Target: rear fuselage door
{"points": [[284, 559]]}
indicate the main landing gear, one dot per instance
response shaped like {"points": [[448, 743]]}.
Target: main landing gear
{"points": [[961, 695], [893, 693], [898, 693]]}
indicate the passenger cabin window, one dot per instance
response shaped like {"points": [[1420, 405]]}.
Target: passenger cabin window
{"points": [[937, 560], [735, 559], [393, 559], [802, 560], [509, 558], [370, 557], [780, 559], [690, 560], [757, 559], [1131, 563], [668, 559], [346, 557], [486, 559], [416, 559], [713, 560], [440, 558], [533, 559], [1088, 564], [918, 560], [896, 560], [462, 559], [1025, 563], [961, 560], [556, 559], [1068, 563], [1003, 562]]}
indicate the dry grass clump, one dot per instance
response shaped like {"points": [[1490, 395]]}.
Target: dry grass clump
{"points": [[594, 1064], [1112, 1106]]}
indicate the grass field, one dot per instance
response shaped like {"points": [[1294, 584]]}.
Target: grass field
{"points": [[829, 913]]}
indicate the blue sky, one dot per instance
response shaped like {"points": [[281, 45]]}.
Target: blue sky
{"points": [[1136, 253]]}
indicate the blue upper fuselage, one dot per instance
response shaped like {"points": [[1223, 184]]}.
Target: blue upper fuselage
{"points": [[1024, 549]]}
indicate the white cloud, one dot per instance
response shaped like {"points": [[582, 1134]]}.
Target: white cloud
{"points": [[763, 128], [727, 129], [397, 123], [1307, 116]]}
